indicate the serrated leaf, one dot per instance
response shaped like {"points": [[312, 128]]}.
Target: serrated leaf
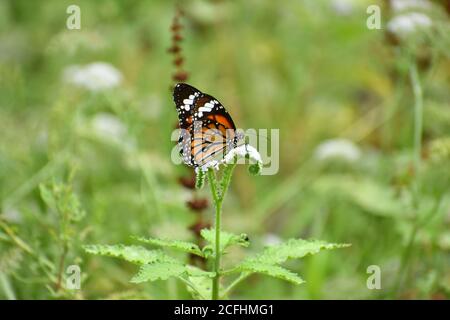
{"points": [[202, 284], [201, 280], [271, 270], [203, 288], [226, 239], [292, 249], [158, 271], [197, 272], [174, 244], [134, 254]]}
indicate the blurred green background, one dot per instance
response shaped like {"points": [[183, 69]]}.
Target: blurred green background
{"points": [[342, 96]]}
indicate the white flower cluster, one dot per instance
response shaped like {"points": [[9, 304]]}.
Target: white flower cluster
{"points": [[210, 164], [337, 149], [95, 76], [243, 151], [410, 17], [408, 23], [403, 5]]}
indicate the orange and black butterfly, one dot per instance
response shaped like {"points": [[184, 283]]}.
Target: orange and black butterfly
{"points": [[206, 128]]}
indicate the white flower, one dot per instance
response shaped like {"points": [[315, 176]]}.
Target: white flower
{"points": [[242, 152], [271, 239], [96, 76], [210, 164], [402, 5], [408, 23], [337, 148], [342, 7]]}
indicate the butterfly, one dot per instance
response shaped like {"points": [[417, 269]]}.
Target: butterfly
{"points": [[206, 128]]}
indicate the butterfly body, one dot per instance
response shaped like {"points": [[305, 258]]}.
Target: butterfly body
{"points": [[207, 128]]}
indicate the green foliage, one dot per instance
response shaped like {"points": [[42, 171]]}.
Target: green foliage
{"points": [[201, 287], [292, 249], [158, 271], [156, 265], [271, 270], [184, 246], [267, 262], [135, 254], [226, 239]]}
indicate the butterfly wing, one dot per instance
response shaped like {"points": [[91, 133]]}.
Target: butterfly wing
{"points": [[185, 97], [209, 129]]}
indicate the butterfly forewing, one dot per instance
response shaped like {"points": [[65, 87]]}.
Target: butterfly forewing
{"points": [[185, 97], [208, 131]]}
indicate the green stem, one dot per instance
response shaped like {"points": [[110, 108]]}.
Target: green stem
{"points": [[218, 196], [418, 131], [242, 277], [218, 206], [418, 116]]}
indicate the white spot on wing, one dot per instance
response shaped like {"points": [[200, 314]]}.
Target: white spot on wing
{"points": [[203, 109], [188, 101]]}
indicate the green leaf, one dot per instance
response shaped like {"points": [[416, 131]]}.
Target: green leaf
{"points": [[174, 244], [201, 280], [158, 271], [134, 254], [292, 249], [166, 269], [203, 285], [271, 270], [197, 272], [226, 239]]}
